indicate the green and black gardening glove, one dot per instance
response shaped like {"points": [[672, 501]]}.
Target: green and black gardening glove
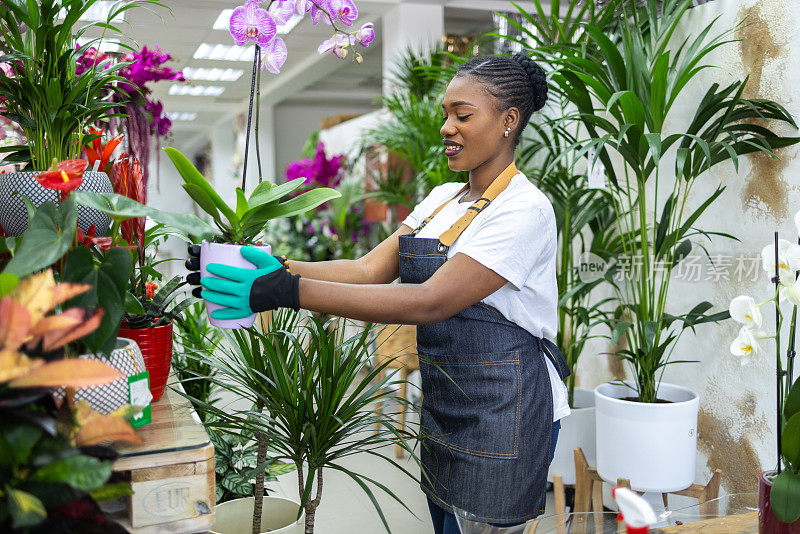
{"points": [[242, 291]]}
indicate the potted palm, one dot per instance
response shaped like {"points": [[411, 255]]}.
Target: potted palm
{"points": [[314, 401], [779, 489], [52, 104], [626, 118]]}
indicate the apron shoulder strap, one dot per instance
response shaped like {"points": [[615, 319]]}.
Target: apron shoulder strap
{"points": [[497, 186]]}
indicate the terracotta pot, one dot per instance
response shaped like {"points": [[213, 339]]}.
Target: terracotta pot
{"points": [[767, 522], [156, 346]]}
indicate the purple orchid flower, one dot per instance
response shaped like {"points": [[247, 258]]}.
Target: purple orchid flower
{"points": [[250, 22], [282, 11], [303, 6], [274, 56], [344, 11], [91, 57], [365, 35], [338, 40]]}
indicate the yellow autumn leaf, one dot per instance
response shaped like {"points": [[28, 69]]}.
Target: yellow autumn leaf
{"points": [[15, 364], [78, 373]]}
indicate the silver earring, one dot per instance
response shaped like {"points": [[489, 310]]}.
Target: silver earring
{"points": [[508, 132]]}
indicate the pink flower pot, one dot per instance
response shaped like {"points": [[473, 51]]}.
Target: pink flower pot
{"points": [[228, 255], [767, 522]]}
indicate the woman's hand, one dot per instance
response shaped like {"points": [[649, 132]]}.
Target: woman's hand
{"points": [[244, 291]]}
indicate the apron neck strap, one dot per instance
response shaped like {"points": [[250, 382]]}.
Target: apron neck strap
{"points": [[497, 186]]}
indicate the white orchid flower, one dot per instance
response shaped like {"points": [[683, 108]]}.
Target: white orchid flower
{"points": [[744, 311], [788, 260], [746, 344], [791, 292]]}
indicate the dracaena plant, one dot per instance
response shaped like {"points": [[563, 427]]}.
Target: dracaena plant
{"points": [[41, 90], [244, 223], [623, 101]]}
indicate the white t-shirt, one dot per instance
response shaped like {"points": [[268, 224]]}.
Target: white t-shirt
{"points": [[515, 236]]}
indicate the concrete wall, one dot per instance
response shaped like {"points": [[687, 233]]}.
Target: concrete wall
{"points": [[737, 403]]}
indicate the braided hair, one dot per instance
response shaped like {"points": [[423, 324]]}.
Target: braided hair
{"points": [[515, 82]]}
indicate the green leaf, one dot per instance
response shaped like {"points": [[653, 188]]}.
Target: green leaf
{"points": [[191, 175], [83, 473], [109, 281], [792, 405], [790, 441], [267, 193], [26, 509], [785, 496], [281, 468], [111, 491], [241, 202], [132, 304], [203, 200], [8, 282], [299, 204], [236, 483], [48, 237], [619, 329]]}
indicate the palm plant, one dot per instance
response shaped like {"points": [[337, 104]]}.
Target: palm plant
{"points": [[43, 93], [314, 402], [623, 102], [584, 215]]}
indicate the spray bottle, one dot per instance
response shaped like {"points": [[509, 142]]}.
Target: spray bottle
{"points": [[634, 511]]}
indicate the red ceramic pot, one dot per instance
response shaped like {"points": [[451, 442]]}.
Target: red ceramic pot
{"points": [[156, 346], [767, 522]]}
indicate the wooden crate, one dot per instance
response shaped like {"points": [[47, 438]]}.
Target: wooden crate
{"points": [[172, 472]]}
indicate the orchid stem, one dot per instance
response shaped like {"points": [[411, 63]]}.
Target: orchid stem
{"points": [[258, 112], [249, 118], [778, 369]]}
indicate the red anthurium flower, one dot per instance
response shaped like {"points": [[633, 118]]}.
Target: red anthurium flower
{"points": [[66, 177], [99, 151], [88, 239]]}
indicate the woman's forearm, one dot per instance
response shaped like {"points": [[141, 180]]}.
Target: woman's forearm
{"points": [[341, 271], [377, 303]]}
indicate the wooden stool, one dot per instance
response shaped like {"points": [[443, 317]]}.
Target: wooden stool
{"points": [[397, 344], [589, 492]]}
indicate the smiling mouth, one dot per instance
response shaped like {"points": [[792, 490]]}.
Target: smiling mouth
{"points": [[451, 148]]}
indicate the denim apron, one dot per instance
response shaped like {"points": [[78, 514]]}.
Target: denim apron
{"points": [[487, 409]]}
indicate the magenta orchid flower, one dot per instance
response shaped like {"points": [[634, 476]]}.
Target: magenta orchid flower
{"points": [[343, 11], [339, 40], [282, 11], [274, 56], [365, 35], [250, 22]]}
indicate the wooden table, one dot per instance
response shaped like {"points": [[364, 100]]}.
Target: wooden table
{"points": [[732, 524], [171, 473]]}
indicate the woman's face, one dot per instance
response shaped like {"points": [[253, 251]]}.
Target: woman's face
{"points": [[473, 125]]}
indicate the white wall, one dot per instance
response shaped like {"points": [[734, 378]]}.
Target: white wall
{"points": [[737, 403]]}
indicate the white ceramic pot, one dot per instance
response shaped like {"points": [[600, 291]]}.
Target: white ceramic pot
{"points": [[577, 430], [652, 445], [228, 255], [278, 516], [14, 215]]}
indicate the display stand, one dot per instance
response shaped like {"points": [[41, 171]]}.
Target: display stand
{"points": [[171, 472], [589, 491]]}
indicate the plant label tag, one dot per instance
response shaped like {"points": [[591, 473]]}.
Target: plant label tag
{"points": [[597, 171], [139, 395]]}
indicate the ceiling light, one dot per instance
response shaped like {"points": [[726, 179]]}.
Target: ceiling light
{"points": [[213, 75], [225, 52], [224, 19], [184, 116], [196, 90], [97, 12]]}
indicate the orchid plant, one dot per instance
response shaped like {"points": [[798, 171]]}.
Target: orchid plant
{"points": [[781, 260], [259, 25]]}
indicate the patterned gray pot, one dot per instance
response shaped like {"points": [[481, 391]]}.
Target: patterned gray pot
{"points": [[14, 216], [125, 358]]}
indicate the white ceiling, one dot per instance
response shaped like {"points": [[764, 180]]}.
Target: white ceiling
{"points": [[306, 75]]}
